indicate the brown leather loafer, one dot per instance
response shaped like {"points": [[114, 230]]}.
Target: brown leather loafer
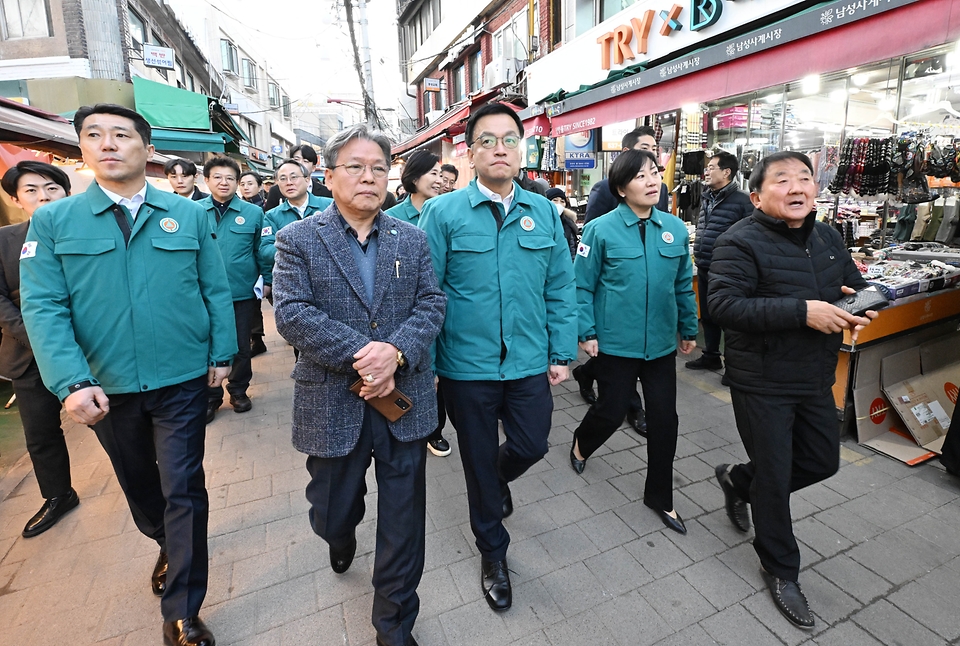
{"points": [[187, 632]]}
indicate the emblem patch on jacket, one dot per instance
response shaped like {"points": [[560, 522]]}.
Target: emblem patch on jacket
{"points": [[29, 250], [169, 225], [266, 231], [583, 250], [667, 237]]}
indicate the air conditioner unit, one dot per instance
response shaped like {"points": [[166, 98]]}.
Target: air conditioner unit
{"points": [[501, 71]]}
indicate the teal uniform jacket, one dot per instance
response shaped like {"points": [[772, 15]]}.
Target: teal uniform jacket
{"points": [[238, 235], [635, 297], [129, 318], [279, 217], [405, 211], [516, 285]]}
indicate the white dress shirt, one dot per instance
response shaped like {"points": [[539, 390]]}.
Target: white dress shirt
{"points": [[132, 203], [506, 201]]}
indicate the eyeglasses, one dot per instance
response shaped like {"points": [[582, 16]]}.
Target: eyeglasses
{"points": [[289, 179], [713, 168], [489, 141], [356, 170], [223, 178]]}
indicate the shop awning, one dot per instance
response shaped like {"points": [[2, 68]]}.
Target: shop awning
{"points": [[222, 121], [165, 106], [165, 140], [260, 168], [435, 129], [865, 41], [538, 126], [30, 128]]}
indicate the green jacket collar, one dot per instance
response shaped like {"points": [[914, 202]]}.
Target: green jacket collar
{"points": [[100, 203], [476, 198], [630, 218]]}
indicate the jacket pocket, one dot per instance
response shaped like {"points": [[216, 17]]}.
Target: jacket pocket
{"points": [[309, 373], [672, 251], [176, 243], [242, 230], [89, 247], [475, 244], [536, 242]]}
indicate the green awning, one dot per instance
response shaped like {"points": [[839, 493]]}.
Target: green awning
{"points": [[186, 140], [260, 168], [223, 122], [165, 106]]}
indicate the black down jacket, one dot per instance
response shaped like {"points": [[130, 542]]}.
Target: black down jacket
{"points": [[735, 206], [763, 274]]}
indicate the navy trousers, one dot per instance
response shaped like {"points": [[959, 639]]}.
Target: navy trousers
{"points": [[335, 492], [40, 415], [792, 442], [712, 333], [155, 441], [241, 371], [525, 406]]}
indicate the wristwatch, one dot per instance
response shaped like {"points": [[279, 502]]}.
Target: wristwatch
{"points": [[401, 359], [559, 362]]}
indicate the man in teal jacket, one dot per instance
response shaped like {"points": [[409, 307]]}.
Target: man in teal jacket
{"points": [[237, 225], [298, 204], [510, 328], [126, 287]]}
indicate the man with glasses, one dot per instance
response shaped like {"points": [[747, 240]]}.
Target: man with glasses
{"points": [[510, 331], [298, 203], [307, 157], [448, 178], [722, 205], [237, 225]]}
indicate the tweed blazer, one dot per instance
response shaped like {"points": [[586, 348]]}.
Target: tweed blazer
{"points": [[321, 308]]}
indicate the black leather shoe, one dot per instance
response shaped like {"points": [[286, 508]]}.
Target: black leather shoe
{"points": [[676, 524], [158, 580], [578, 465], [410, 642], [637, 420], [340, 559], [257, 346], [507, 499], [495, 581], [789, 600], [51, 511], [440, 448], [705, 363], [586, 386], [736, 506], [240, 403], [187, 632], [212, 408]]}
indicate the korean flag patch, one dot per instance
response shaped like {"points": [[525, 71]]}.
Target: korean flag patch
{"points": [[29, 250], [266, 231], [583, 250]]}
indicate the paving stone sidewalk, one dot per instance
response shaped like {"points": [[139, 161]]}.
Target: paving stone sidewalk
{"points": [[591, 565]]}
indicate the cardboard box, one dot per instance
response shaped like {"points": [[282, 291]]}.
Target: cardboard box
{"points": [[895, 287], [921, 385]]}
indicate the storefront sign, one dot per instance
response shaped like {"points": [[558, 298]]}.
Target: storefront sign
{"points": [[431, 85], [533, 152], [789, 30], [646, 30], [154, 56], [580, 151], [611, 136]]}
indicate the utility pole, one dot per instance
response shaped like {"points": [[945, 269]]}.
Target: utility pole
{"points": [[366, 81]]}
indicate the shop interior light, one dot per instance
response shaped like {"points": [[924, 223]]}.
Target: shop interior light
{"points": [[887, 103], [838, 96], [690, 108], [773, 98], [810, 84], [860, 79], [740, 141], [758, 141]]}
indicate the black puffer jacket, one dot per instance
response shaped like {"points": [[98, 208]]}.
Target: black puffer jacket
{"points": [[762, 275], [734, 205]]}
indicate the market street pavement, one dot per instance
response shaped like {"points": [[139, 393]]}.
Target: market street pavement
{"points": [[590, 564]]}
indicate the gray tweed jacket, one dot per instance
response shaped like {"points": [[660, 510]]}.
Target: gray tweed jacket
{"points": [[321, 308]]}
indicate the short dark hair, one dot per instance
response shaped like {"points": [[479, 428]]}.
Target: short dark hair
{"points": [[631, 138], [625, 168], [187, 166], [254, 174], [139, 123], [759, 172], [307, 152], [418, 164], [11, 179], [291, 160], [727, 161], [489, 109], [221, 161], [450, 168]]}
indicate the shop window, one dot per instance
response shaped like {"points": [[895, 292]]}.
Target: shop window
{"points": [[511, 40], [610, 8], [459, 87], [872, 104], [181, 78], [427, 103], [585, 15], [138, 31], [285, 106], [229, 58], [476, 71], [252, 133], [192, 83], [930, 97]]}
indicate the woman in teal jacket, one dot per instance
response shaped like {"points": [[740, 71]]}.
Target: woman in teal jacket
{"points": [[635, 295]]}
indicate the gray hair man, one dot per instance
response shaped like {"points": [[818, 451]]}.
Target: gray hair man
{"points": [[355, 291]]}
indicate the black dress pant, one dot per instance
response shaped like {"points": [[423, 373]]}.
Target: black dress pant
{"points": [[793, 442], [616, 377], [525, 406], [590, 369], [40, 415], [441, 417], [711, 331], [241, 371], [950, 452], [155, 441], [335, 493], [256, 322]]}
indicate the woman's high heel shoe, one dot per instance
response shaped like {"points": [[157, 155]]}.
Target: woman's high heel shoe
{"points": [[578, 465], [676, 524]]}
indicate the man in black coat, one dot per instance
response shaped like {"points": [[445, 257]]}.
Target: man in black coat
{"points": [[182, 175], [773, 279], [307, 156], [30, 185], [723, 204]]}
